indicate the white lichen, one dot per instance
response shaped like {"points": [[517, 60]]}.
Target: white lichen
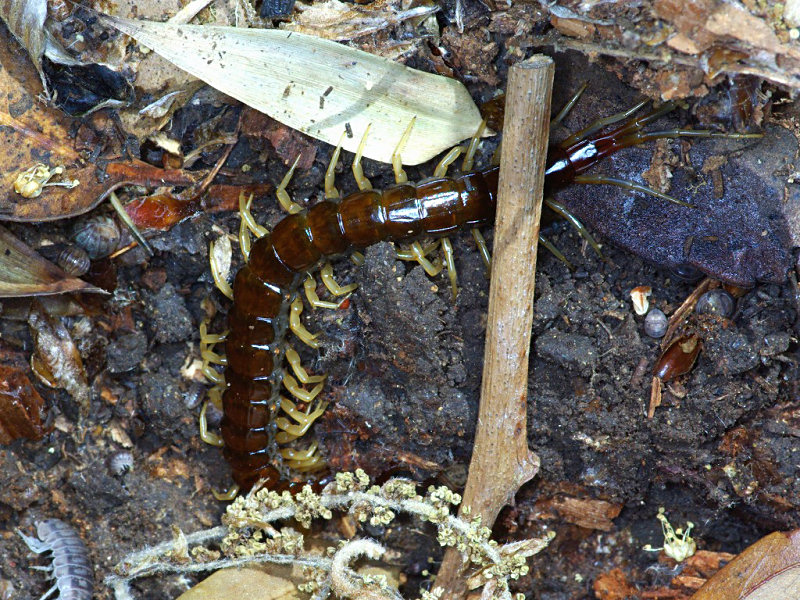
{"points": [[251, 535]]}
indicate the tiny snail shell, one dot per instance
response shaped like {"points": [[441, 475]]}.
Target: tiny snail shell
{"points": [[74, 260], [716, 302], [98, 235], [655, 323]]}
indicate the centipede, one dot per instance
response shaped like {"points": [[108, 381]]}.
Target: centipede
{"points": [[261, 424]]}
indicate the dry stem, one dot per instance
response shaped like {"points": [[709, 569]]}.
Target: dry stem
{"points": [[501, 460]]}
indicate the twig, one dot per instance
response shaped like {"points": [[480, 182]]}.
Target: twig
{"points": [[501, 461]]}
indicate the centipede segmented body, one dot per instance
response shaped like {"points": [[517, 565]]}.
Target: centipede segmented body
{"points": [[258, 420]]}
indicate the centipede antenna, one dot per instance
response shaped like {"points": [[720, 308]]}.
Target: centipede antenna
{"points": [[600, 123], [568, 106], [575, 222], [551, 247], [699, 133], [630, 185]]}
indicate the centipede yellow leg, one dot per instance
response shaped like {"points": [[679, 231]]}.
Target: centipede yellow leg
{"points": [[290, 383], [283, 195], [228, 495], [449, 259], [397, 160], [483, 248], [326, 274], [358, 171], [418, 253], [308, 338], [207, 341], [293, 358], [469, 156], [447, 160], [290, 431], [220, 281], [331, 193], [310, 288], [303, 460], [207, 436], [248, 218]]}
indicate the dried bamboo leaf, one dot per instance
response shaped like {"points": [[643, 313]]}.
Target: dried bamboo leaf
{"points": [[25, 19], [25, 273], [319, 87]]}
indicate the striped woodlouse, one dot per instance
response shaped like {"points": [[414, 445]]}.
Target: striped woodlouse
{"points": [[71, 568], [259, 424]]}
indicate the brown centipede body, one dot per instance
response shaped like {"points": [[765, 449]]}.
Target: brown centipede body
{"points": [[260, 421]]}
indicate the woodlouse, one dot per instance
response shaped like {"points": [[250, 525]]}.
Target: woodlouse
{"points": [[98, 235], [259, 423], [71, 567]]}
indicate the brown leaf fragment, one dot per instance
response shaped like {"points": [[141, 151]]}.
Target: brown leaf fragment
{"points": [[587, 513], [770, 568], [25, 19], [56, 360], [25, 273], [22, 409], [613, 585]]}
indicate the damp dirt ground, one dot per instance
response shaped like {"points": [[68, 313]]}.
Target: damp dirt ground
{"points": [[404, 364]]}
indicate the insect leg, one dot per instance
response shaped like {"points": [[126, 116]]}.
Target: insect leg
{"points": [[630, 185], [568, 106], [331, 193], [232, 492], [580, 228], [483, 248], [397, 160], [298, 392], [283, 195], [358, 172], [308, 338], [449, 260], [303, 460], [469, 156], [293, 358], [555, 251], [310, 288], [210, 438], [290, 431], [600, 123], [447, 160], [326, 274]]}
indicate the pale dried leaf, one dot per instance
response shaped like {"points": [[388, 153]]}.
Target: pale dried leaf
{"points": [[243, 584], [56, 360], [341, 21], [320, 87], [25, 273], [25, 19]]}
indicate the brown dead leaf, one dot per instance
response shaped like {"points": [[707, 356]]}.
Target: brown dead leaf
{"points": [[56, 360], [613, 585], [31, 134], [25, 273], [25, 19], [587, 513], [22, 409], [768, 569]]}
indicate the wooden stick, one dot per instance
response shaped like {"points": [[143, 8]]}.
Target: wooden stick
{"points": [[501, 461]]}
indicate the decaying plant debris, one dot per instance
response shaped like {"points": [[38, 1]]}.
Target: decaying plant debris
{"points": [[403, 360]]}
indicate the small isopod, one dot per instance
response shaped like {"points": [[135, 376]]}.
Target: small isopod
{"points": [[655, 323], [98, 235], [71, 567], [120, 463], [74, 260]]}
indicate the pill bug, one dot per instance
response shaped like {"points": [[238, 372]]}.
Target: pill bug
{"points": [[259, 423], [70, 567], [98, 235]]}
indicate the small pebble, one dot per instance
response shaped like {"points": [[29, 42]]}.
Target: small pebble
{"points": [[716, 302], [655, 323]]}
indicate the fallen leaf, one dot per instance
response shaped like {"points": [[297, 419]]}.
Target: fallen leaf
{"points": [[56, 360], [22, 409], [243, 584], [320, 87], [25, 273], [768, 569]]}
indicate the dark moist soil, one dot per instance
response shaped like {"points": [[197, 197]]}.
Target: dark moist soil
{"points": [[404, 365]]}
